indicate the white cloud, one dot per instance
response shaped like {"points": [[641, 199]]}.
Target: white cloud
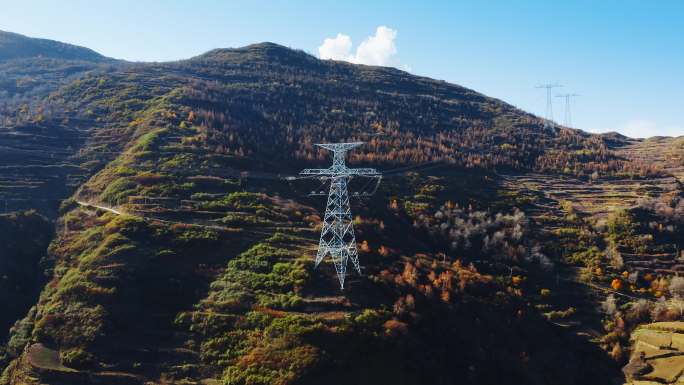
{"points": [[379, 49], [646, 128], [337, 48]]}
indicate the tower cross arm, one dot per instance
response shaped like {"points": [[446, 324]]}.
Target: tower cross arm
{"points": [[340, 172], [341, 147], [317, 171], [362, 171]]}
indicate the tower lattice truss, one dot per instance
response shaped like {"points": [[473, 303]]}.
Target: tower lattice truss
{"points": [[337, 234]]}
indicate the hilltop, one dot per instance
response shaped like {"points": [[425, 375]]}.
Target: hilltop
{"points": [[181, 255]]}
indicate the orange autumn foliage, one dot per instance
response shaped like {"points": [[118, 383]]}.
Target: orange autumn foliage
{"points": [[616, 284], [395, 328], [445, 296], [410, 274]]}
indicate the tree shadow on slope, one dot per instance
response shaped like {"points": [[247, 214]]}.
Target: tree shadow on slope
{"points": [[472, 343]]}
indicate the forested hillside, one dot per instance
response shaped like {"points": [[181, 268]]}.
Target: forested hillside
{"points": [[182, 255]]}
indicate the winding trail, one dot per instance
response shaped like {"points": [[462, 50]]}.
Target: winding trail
{"points": [[147, 218], [266, 230], [105, 208]]}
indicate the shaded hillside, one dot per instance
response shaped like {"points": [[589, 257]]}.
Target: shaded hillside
{"points": [[138, 299], [36, 169], [24, 238]]}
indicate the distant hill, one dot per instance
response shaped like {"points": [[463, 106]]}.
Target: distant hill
{"points": [[30, 69], [15, 46]]}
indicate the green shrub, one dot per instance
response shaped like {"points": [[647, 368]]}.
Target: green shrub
{"points": [[620, 225], [588, 257], [117, 191], [77, 358]]}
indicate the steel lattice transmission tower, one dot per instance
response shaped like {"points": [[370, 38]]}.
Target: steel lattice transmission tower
{"points": [[567, 118], [337, 235], [548, 118]]}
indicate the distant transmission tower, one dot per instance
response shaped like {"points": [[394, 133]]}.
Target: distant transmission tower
{"points": [[337, 235], [548, 119], [567, 118]]}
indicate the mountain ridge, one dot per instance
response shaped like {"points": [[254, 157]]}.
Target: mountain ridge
{"points": [[47, 48]]}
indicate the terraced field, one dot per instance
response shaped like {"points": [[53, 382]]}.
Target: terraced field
{"points": [[667, 264], [594, 198], [36, 169], [665, 152], [549, 200], [600, 196], [42, 165]]}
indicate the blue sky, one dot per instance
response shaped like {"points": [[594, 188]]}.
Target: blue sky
{"points": [[624, 57]]}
